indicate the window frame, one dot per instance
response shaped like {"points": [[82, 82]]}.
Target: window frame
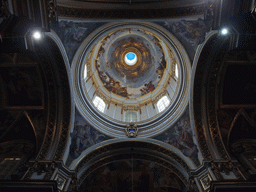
{"points": [[163, 102], [131, 112], [97, 105]]}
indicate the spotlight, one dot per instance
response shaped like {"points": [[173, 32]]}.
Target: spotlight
{"points": [[37, 35], [32, 36], [224, 31]]}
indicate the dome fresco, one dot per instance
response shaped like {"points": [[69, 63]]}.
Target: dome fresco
{"points": [[101, 69], [130, 62]]}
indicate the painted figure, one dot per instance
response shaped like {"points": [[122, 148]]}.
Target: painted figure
{"points": [[147, 88], [83, 137]]}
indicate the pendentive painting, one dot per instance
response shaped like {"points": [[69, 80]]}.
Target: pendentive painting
{"points": [[83, 136], [180, 135], [73, 33], [193, 31]]}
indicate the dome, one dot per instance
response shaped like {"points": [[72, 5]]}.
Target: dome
{"points": [[131, 72], [130, 63]]}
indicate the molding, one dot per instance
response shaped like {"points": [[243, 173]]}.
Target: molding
{"points": [[165, 149], [70, 127], [160, 10], [195, 101], [148, 149]]}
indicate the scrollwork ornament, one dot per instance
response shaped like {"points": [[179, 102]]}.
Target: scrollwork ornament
{"points": [[73, 184], [222, 167], [192, 185], [52, 9], [4, 10]]}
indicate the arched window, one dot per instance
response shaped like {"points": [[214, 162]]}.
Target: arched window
{"points": [[131, 116], [163, 103], [85, 71], [99, 104], [176, 71]]}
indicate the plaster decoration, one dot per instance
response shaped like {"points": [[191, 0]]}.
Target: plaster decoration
{"points": [[212, 96], [4, 9], [52, 9], [72, 12], [198, 106], [58, 119], [224, 167], [205, 181], [52, 115], [61, 181], [67, 94], [42, 169], [131, 130]]}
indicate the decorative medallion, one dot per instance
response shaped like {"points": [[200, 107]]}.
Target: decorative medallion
{"points": [[132, 130]]}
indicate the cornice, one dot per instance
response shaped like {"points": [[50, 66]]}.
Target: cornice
{"points": [[87, 13]]}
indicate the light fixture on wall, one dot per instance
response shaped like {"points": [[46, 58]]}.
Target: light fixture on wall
{"points": [[224, 31], [231, 33], [34, 34], [37, 34]]}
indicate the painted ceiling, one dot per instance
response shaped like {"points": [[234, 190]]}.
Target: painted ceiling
{"points": [[130, 81]]}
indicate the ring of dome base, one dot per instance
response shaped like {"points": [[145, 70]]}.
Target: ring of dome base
{"points": [[138, 57]]}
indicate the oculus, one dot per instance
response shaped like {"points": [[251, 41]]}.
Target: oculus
{"points": [[130, 58]]}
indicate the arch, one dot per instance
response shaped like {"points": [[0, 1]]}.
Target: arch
{"points": [[70, 127], [236, 124], [191, 106], [205, 95], [199, 108], [57, 82], [147, 149], [13, 155]]}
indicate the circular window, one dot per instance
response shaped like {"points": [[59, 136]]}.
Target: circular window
{"points": [[130, 58]]}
